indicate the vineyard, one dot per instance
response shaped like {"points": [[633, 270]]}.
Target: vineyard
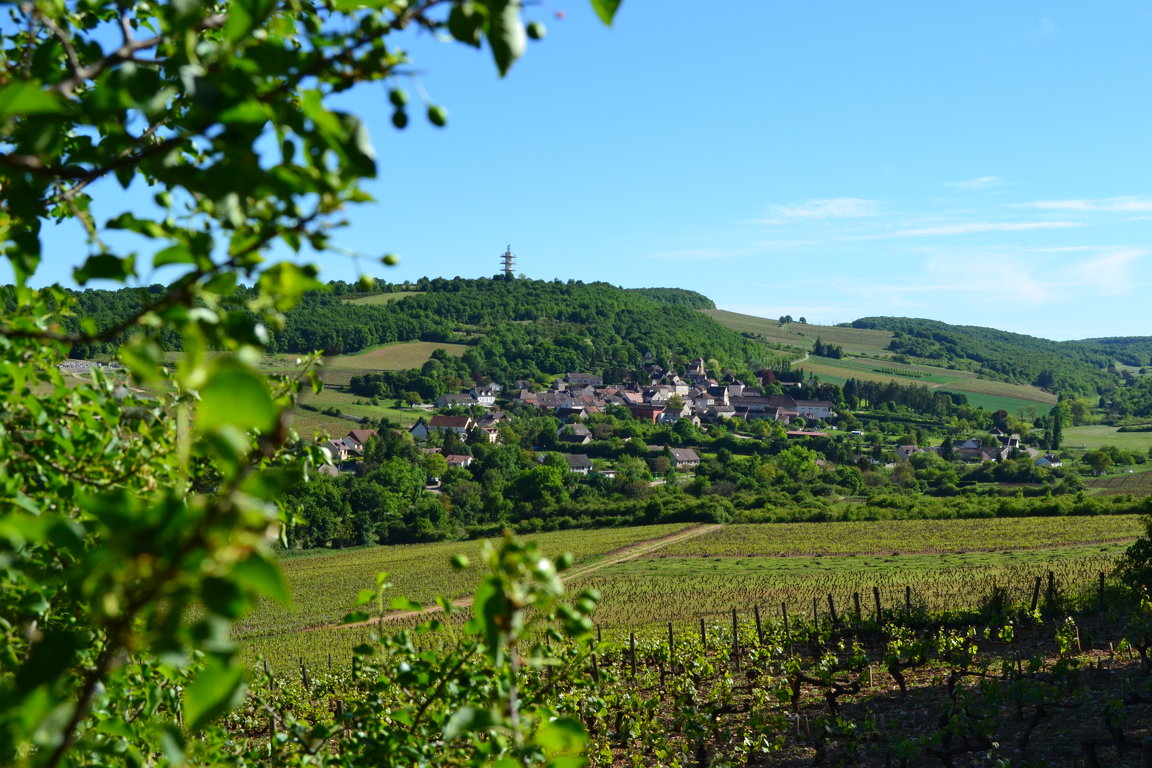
{"points": [[324, 585], [649, 576], [1050, 680], [1132, 484]]}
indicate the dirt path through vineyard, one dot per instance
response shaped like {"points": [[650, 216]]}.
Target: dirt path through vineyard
{"points": [[622, 555]]}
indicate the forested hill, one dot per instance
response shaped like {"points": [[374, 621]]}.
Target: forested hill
{"points": [[521, 328], [678, 296], [1069, 367], [516, 328]]}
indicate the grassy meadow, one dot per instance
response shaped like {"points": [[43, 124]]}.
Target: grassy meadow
{"points": [[383, 298], [336, 371], [1097, 435], [802, 336], [1017, 399]]}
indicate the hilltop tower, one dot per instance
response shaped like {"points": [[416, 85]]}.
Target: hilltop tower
{"points": [[508, 260]]}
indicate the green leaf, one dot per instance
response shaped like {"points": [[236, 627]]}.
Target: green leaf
{"points": [[561, 735], [172, 743], [237, 396], [286, 282], [506, 34], [327, 124], [358, 149], [175, 254], [567, 761], [24, 97], [105, 266], [466, 23], [490, 607], [143, 357], [404, 604], [251, 111], [215, 690], [48, 659], [223, 597], [366, 596], [606, 9], [347, 6], [261, 575], [467, 719], [356, 617], [244, 16]]}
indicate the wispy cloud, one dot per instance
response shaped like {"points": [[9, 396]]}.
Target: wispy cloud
{"points": [[725, 254], [996, 276], [1109, 273], [970, 227], [830, 208], [1103, 204], [984, 182]]}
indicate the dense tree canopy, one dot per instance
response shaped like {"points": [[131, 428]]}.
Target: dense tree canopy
{"points": [[138, 515]]}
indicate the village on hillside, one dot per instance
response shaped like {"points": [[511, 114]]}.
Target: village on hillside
{"points": [[666, 397]]}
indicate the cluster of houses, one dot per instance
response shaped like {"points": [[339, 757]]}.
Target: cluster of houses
{"points": [[669, 397], [973, 450]]}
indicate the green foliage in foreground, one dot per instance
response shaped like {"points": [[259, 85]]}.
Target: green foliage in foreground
{"points": [[134, 530]]}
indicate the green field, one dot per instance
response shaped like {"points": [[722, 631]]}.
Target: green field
{"points": [[1017, 399], [802, 336], [350, 404], [383, 298], [391, 357], [1096, 435], [906, 536]]}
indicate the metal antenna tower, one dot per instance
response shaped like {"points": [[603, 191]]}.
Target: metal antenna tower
{"points": [[508, 260]]}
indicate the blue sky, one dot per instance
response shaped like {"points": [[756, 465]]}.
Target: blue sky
{"points": [[984, 163]]}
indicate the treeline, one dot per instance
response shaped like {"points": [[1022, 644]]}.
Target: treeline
{"points": [[1013, 357], [1132, 401], [1069, 368], [678, 296], [748, 472], [859, 393], [827, 350], [516, 328]]}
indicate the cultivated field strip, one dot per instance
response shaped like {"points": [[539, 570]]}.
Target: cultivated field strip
{"points": [[324, 586], [643, 595], [906, 536], [649, 576]]}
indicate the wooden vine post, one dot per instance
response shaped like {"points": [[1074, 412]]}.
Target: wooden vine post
{"points": [[735, 641]]}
